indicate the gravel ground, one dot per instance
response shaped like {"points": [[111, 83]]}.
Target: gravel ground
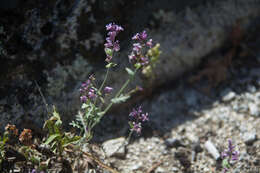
{"points": [[184, 118]]}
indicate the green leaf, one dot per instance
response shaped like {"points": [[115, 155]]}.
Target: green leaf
{"points": [[71, 140], [101, 113], [111, 65], [137, 65], [225, 163], [74, 124], [102, 100], [129, 71], [131, 124], [51, 138], [109, 51], [84, 105], [53, 144], [120, 99]]}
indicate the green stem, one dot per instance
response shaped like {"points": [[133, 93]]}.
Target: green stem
{"points": [[120, 91], [104, 81], [117, 95], [102, 85], [128, 138]]}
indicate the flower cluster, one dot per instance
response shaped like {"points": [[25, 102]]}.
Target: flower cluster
{"points": [[87, 90], [111, 44], [229, 155], [137, 56], [137, 116]]}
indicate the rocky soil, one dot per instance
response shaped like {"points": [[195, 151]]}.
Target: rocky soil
{"points": [[183, 119]]}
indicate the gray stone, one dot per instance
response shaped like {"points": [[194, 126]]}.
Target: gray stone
{"points": [[228, 95], [210, 147], [251, 88], [254, 109], [114, 147], [249, 138]]}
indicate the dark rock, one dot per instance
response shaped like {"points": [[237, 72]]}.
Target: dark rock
{"points": [[173, 142], [196, 147], [183, 155], [9, 4]]}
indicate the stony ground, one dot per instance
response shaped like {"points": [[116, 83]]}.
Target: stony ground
{"points": [[185, 116]]}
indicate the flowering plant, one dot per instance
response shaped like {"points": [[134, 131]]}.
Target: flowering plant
{"points": [[229, 157], [143, 57]]}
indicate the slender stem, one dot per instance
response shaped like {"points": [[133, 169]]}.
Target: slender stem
{"points": [[117, 95], [104, 81], [102, 85], [126, 142], [128, 138], [120, 91]]}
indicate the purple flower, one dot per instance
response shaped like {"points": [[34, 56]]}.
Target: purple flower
{"points": [[136, 36], [116, 46], [108, 89], [139, 88], [137, 117], [91, 93], [230, 154], [112, 35], [137, 127], [133, 114], [149, 43], [83, 98], [109, 58], [143, 35], [87, 90], [132, 57], [145, 117], [114, 27], [112, 44], [144, 61], [137, 56], [140, 36], [137, 48]]}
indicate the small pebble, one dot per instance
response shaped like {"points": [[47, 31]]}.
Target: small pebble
{"points": [[212, 150], [174, 169], [114, 147], [251, 88], [254, 109], [228, 95], [249, 138]]}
